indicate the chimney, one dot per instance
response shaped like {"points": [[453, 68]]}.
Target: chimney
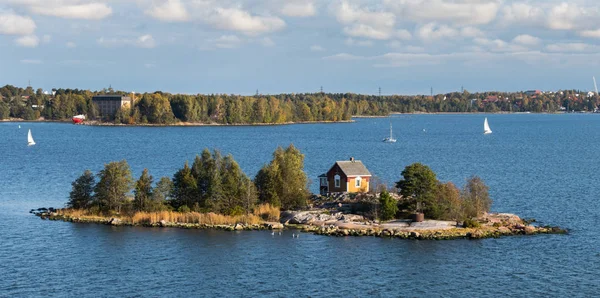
{"points": [[352, 159]]}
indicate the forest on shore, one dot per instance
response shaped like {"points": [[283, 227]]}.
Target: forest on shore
{"points": [[165, 108]]}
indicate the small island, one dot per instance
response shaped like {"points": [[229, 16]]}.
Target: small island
{"points": [[214, 193]]}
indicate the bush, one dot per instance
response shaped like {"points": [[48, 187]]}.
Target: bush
{"points": [[184, 209], [471, 223], [389, 206]]}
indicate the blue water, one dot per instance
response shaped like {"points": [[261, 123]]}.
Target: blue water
{"points": [[539, 166]]}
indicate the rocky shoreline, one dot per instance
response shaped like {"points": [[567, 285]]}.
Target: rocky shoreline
{"points": [[345, 225]]}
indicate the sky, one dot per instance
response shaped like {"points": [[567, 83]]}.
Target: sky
{"points": [[296, 46]]}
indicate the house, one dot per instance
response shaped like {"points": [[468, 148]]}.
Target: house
{"points": [[110, 104], [532, 92], [349, 176]]}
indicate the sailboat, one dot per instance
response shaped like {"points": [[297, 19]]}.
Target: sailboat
{"points": [[486, 127], [390, 139], [30, 141]]}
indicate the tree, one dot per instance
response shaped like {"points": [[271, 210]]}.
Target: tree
{"points": [[81, 195], [115, 182], [447, 203], [143, 192], [284, 180], [418, 183], [184, 188], [389, 206], [475, 197]]}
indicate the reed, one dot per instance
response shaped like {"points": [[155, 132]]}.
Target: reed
{"points": [[267, 212], [192, 218]]}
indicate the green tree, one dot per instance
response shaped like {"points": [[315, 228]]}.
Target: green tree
{"points": [[115, 182], [447, 203], [81, 195], [161, 194], [476, 197], [418, 183], [284, 180], [389, 206], [143, 192], [184, 188]]}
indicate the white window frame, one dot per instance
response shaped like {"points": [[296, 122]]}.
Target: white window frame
{"points": [[338, 180], [323, 181], [358, 182]]}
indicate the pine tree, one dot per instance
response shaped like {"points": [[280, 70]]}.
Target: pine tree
{"points": [[143, 192], [81, 195], [184, 188], [114, 184]]}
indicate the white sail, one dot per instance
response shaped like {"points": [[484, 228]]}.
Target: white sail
{"points": [[390, 139], [30, 141], [486, 127]]}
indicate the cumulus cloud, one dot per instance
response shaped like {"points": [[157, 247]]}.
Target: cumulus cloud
{"points": [[85, 11], [316, 48], [236, 19], [572, 47], [267, 42], [13, 24], [227, 42], [590, 33], [463, 12], [144, 41], [169, 11], [363, 22], [359, 43], [526, 40], [28, 41], [433, 31], [299, 8]]}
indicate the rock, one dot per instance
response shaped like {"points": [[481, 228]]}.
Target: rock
{"points": [[415, 234], [238, 227], [162, 223], [115, 221], [529, 230]]}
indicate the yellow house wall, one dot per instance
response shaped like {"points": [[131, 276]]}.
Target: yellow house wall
{"points": [[364, 184]]}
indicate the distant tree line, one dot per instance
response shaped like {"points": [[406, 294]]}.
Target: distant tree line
{"points": [[213, 183], [165, 108]]}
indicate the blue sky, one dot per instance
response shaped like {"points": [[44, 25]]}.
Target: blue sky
{"points": [[276, 46]]}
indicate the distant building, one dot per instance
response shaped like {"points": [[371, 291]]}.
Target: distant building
{"points": [[345, 177], [533, 92], [109, 104]]}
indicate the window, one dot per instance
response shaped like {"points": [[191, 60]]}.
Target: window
{"points": [[323, 181], [358, 181], [337, 180]]}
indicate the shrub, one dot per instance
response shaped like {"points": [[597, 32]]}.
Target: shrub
{"points": [[184, 209], [471, 223], [389, 206], [267, 212]]}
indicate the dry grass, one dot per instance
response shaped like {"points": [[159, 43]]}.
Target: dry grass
{"points": [[267, 212], [78, 213], [193, 218]]}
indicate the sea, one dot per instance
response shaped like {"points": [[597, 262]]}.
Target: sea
{"points": [[540, 166]]}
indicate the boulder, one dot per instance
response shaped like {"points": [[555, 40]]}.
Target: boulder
{"points": [[115, 221], [238, 227], [162, 223]]}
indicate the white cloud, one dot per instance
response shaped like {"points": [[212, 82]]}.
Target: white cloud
{"points": [[227, 42], [461, 12], [144, 41], [71, 45], [298, 8], [316, 48], [572, 47], [31, 61], [13, 24], [28, 41], [86, 11], [236, 19], [344, 57], [362, 22], [403, 34], [359, 43], [267, 42], [527, 40], [471, 32], [590, 33], [169, 11], [433, 31]]}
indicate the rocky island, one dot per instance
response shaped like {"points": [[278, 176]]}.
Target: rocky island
{"points": [[215, 194]]}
